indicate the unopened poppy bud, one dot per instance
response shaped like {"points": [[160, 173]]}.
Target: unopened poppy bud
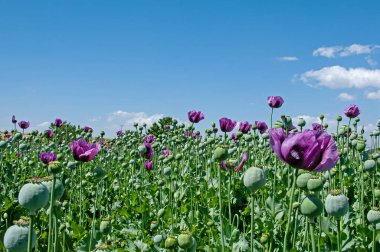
{"points": [[339, 118], [321, 117], [220, 154], [311, 206], [171, 242], [301, 122]]}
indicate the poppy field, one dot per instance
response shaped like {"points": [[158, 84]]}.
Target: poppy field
{"points": [[277, 184]]}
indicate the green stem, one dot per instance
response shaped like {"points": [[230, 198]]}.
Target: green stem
{"points": [[374, 238], [252, 220], [338, 235], [312, 236], [220, 209], [51, 214], [93, 221], [295, 173], [30, 234]]}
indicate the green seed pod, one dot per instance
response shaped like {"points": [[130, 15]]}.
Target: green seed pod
{"points": [[301, 122], [33, 196], [17, 137], [373, 215], [142, 149], [336, 204], [377, 193], [158, 239], [16, 238], [3, 144], [58, 191], [178, 156], [254, 178], [210, 223], [264, 238], [160, 183], [220, 154], [167, 171], [171, 242], [302, 180], [71, 165], [161, 212], [311, 206], [54, 167], [360, 145], [296, 205], [105, 227], [184, 240], [369, 165], [153, 225], [315, 184]]}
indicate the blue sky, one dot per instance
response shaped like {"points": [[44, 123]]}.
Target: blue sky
{"points": [[107, 63]]}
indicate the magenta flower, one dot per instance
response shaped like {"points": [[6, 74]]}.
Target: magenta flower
{"points": [[83, 151], [120, 133], [14, 121], [58, 122], [311, 150], [317, 126], [88, 129], [166, 153], [227, 125], [275, 101], [195, 116], [261, 126], [24, 125], [234, 137], [149, 165], [49, 133], [19, 154], [8, 135], [225, 164], [149, 139], [245, 127], [47, 157], [187, 133], [149, 154], [196, 136], [352, 111]]}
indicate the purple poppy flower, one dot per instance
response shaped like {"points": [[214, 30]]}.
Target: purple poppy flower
{"points": [[275, 101], [245, 127], [149, 139], [243, 160], [88, 129], [226, 125], [234, 137], [149, 165], [261, 126], [47, 157], [49, 133], [19, 154], [309, 150], [58, 122], [196, 136], [230, 164], [14, 121], [317, 126], [149, 154], [120, 133], [195, 116], [187, 133], [8, 135], [352, 111], [166, 153], [24, 124], [83, 151]]}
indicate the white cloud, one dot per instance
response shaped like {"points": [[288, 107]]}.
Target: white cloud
{"points": [[346, 97], [340, 77], [43, 126], [335, 51], [95, 119], [128, 118], [371, 61], [288, 58], [374, 95], [315, 119], [328, 52]]}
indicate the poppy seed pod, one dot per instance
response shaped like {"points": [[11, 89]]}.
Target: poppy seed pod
{"points": [[184, 240], [302, 180], [315, 184], [171, 242], [254, 178], [33, 196], [311, 206], [158, 239], [105, 227], [301, 122], [336, 204], [220, 154], [16, 238], [373, 215], [369, 165], [58, 191]]}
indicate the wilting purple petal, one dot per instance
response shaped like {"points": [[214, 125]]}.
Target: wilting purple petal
{"points": [[149, 139], [244, 158], [317, 126], [149, 165], [166, 153]]}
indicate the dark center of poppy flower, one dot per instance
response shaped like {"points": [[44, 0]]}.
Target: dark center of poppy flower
{"points": [[295, 156]]}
